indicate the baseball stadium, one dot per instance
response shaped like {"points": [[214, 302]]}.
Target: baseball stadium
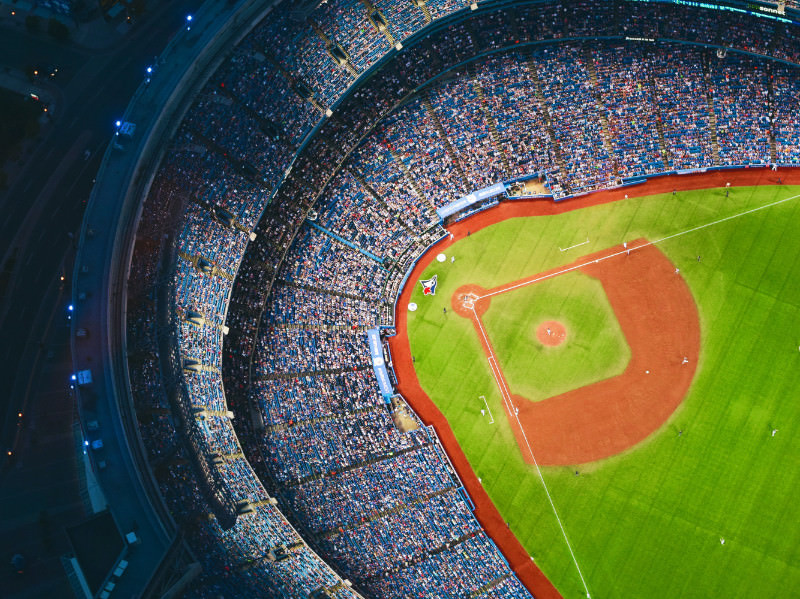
{"points": [[431, 298]]}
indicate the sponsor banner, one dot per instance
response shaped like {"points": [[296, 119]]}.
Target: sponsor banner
{"points": [[476, 196], [378, 363]]}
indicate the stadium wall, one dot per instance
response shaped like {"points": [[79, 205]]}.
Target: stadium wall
{"points": [[101, 270]]}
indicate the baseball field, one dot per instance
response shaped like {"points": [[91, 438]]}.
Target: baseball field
{"points": [[623, 379]]}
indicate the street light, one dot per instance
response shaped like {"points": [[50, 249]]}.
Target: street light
{"points": [[188, 22]]}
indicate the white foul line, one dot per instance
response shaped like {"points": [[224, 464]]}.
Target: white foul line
{"points": [[483, 397], [513, 414], [504, 390], [631, 249], [575, 246]]}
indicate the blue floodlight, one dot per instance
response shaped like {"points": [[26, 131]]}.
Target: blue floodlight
{"points": [[73, 378], [70, 307], [118, 124], [188, 17], [149, 70]]}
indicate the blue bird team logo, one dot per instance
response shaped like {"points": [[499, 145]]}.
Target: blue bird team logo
{"points": [[429, 285]]}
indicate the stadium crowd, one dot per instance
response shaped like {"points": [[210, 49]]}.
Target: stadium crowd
{"points": [[298, 254]]}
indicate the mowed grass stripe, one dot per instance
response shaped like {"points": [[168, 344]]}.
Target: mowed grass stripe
{"points": [[647, 523]]}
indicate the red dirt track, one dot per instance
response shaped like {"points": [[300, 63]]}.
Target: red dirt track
{"points": [[408, 385]]}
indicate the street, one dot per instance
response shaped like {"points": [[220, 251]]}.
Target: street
{"points": [[40, 215]]}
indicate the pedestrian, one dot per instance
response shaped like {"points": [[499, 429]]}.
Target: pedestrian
{"points": [[677, 270], [413, 359], [685, 360], [680, 432], [452, 259], [444, 310], [674, 191], [698, 258], [774, 430]]}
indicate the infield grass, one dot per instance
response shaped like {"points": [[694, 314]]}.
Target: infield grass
{"points": [[594, 349], [648, 523]]}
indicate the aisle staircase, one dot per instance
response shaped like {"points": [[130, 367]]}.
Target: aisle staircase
{"points": [[296, 85], [332, 47], [243, 168], [601, 107], [378, 20], [201, 264], [423, 6], [773, 145], [355, 465], [213, 210], [548, 121], [382, 513], [376, 196], [666, 155], [411, 180], [490, 122], [316, 289], [426, 101], [267, 126], [285, 426], [712, 114], [316, 326], [291, 376]]}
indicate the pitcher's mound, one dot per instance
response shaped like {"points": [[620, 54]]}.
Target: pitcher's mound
{"points": [[551, 333]]}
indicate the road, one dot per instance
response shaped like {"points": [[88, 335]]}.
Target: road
{"points": [[40, 215]]}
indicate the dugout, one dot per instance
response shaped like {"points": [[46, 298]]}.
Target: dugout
{"points": [[478, 200]]}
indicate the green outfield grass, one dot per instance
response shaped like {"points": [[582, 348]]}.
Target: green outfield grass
{"points": [[594, 349], [648, 523]]}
